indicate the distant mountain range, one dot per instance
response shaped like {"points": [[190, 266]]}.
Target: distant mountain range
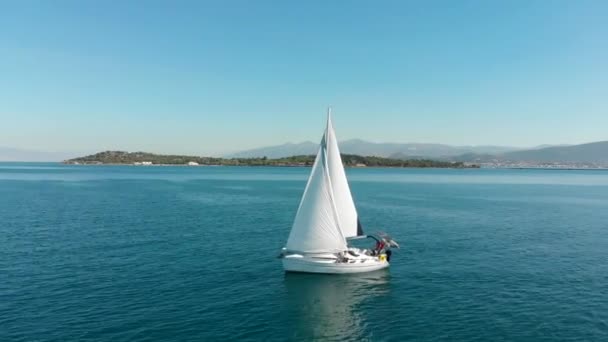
{"points": [[596, 152], [366, 148], [278, 151], [590, 153]]}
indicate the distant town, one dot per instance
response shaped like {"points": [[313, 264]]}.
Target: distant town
{"points": [[541, 165]]}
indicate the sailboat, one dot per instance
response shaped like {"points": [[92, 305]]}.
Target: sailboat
{"points": [[327, 217]]}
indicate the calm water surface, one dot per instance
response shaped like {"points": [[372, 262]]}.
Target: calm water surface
{"points": [[100, 253]]}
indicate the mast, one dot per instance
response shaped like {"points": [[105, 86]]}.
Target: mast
{"points": [[326, 215], [326, 166], [345, 206]]}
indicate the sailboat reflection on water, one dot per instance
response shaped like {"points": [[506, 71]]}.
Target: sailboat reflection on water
{"points": [[325, 307]]}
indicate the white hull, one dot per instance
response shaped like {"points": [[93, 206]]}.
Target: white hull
{"points": [[299, 263]]}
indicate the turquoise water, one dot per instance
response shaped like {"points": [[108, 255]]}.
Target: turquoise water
{"points": [[108, 253]]}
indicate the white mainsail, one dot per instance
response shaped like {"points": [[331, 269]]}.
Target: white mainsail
{"points": [[347, 213], [326, 215]]}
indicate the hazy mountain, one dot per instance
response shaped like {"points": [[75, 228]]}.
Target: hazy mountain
{"points": [[547, 145], [585, 153], [596, 152], [16, 154], [366, 148], [279, 151]]}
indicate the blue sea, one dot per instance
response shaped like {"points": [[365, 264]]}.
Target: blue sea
{"points": [[126, 253]]}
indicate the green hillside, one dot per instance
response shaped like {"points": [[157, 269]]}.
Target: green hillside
{"points": [[349, 160]]}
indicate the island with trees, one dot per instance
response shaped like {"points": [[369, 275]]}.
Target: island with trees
{"points": [[349, 160]]}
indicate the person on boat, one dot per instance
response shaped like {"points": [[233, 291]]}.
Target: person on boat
{"points": [[380, 245]]}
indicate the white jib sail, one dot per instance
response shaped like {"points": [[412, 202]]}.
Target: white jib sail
{"points": [[347, 213], [316, 228]]}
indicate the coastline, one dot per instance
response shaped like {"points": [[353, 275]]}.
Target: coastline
{"points": [[273, 166], [348, 160], [346, 166]]}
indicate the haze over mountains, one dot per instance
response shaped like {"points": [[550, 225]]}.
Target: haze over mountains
{"points": [[366, 148], [596, 152], [590, 153]]}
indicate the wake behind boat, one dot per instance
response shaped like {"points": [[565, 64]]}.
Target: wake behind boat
{"points": [[327, 217]]}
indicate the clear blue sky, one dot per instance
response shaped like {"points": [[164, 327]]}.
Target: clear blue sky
{"points": [[209, 77]]}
